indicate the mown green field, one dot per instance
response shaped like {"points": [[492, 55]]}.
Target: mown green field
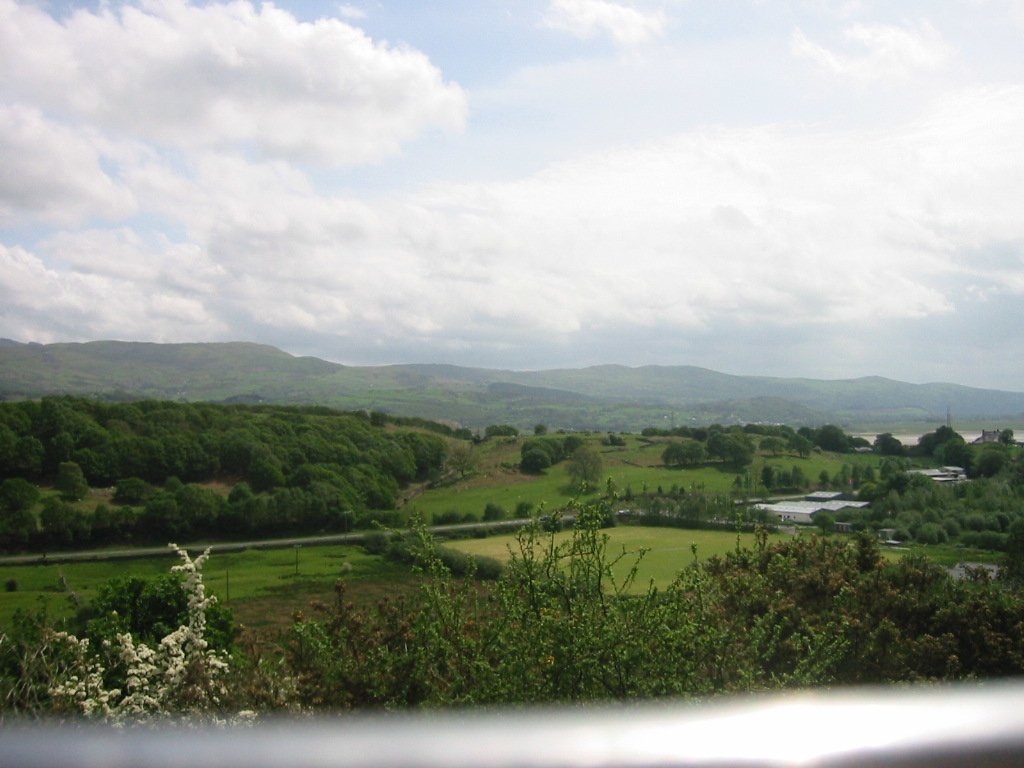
{"points": [[666, 551]]}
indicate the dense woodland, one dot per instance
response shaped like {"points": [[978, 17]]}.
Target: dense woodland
{"points": [[293, 470]]}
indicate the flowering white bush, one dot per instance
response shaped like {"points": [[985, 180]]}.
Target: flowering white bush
{"points": [[181, 675]]}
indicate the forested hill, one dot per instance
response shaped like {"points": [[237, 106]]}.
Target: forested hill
{"points": [[600, 397]]}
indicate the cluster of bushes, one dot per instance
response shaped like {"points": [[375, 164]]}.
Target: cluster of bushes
{"points": [[538, 453], [978, 513], [409, 549], [947, 447], [697, 509], [737, 445]]}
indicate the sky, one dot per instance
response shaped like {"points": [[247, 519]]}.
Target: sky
{"points": [[812, 188]]}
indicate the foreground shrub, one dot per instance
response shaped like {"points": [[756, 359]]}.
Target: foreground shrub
{"points": [[132, 680]]}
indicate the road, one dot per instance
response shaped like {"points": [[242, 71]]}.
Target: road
{"points": [[47, 558]]}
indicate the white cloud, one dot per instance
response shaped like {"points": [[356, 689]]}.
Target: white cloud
{"points": [[888, 51], [226, 75], [46, 303], [625, 25], [750, 229], [349, 11], [53, 173], [1016, 11]]}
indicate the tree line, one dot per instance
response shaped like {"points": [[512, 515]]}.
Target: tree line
{"points": [[293, 469]]}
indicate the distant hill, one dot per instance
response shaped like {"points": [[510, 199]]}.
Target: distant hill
{"points": [[607, 397]]}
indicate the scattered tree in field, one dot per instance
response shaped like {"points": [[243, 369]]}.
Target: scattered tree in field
{"points": [[773, 445], [534, 460], [733, 447], [540, 429], [802, 445], [684, 453], [461, 458], [585, 467], [133, 490]]}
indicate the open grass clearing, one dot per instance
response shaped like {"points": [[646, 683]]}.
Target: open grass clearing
{"points": [[668, 550]]}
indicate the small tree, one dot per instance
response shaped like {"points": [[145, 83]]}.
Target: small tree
{"points": [[17, 494], [534, 460], [71, 481], [802, 445], [1013, 563], [461, 459], [494, 513], [887, 445], [825, 521], [685, 453], [62, 524], [585, 467]]}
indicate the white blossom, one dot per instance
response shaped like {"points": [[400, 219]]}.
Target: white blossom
{"points": [[181, 675]]}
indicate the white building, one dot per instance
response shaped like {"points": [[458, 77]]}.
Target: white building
{"points": [[803, 512], [942, 474]]}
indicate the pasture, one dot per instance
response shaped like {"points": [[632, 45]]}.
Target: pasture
{"points": [[262, 587], [666, 551], [636, 466]]}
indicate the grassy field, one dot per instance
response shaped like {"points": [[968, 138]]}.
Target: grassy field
{"points": [[635, 466], [666, 550], [262, 587]]}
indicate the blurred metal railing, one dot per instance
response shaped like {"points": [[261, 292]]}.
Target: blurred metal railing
{"points": [[976, 726]]}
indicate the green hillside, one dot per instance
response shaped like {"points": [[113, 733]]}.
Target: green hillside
{"points": [[607, 397]]}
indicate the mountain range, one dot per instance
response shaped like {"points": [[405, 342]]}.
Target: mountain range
{"points": [[606, 397]]}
